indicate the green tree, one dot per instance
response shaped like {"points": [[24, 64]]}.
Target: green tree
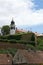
{"points": [[33, 37], [5, 30]]}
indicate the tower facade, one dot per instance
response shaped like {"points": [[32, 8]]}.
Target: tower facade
{"points": [[12, 28]]}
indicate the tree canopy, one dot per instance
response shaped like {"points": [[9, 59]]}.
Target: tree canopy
{"points": [[5, 30]]}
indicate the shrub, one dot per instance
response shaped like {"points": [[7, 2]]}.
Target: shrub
{"points": [[40, 41], [23, 38], [33, 37], [12, 41], [16, 37]]}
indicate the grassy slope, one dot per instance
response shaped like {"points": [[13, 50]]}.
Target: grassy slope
{"points": [[9, 50], [18, 38], [40, 42]]}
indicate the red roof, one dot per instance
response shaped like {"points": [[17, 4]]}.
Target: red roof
{"points": [[32, 57], [20, 30], [5, 59]]}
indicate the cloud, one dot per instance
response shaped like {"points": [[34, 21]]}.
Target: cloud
{"points": [[22, 11]]}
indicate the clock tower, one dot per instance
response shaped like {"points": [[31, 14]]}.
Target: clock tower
{"points": [[12, 28]]}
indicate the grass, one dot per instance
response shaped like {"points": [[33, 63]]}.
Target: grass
{"points": [[9, 50], [39, 44]]}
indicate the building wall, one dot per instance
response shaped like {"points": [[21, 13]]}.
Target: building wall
{"points": [[12, 32], [0, 32]]}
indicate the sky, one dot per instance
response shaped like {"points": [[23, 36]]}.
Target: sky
{"points": [[27, 13]]}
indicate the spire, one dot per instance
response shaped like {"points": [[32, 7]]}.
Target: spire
{"points": [[12, 22]]}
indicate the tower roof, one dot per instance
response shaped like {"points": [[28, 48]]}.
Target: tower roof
{"points": [[12, 22]]}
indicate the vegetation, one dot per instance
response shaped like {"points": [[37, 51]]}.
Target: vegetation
{"points": [[40, 43], [24, 38], [33, 37], [8, 51], [5, 30]]}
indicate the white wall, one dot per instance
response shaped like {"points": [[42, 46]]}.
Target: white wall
{"points": [[0, 31], [12, 32]]}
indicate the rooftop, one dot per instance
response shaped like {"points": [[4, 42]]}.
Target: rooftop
{"points": [[31, 57], [5, 59]]}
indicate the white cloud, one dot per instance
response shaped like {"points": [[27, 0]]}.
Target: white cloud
{"points": [[22, 12]]}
